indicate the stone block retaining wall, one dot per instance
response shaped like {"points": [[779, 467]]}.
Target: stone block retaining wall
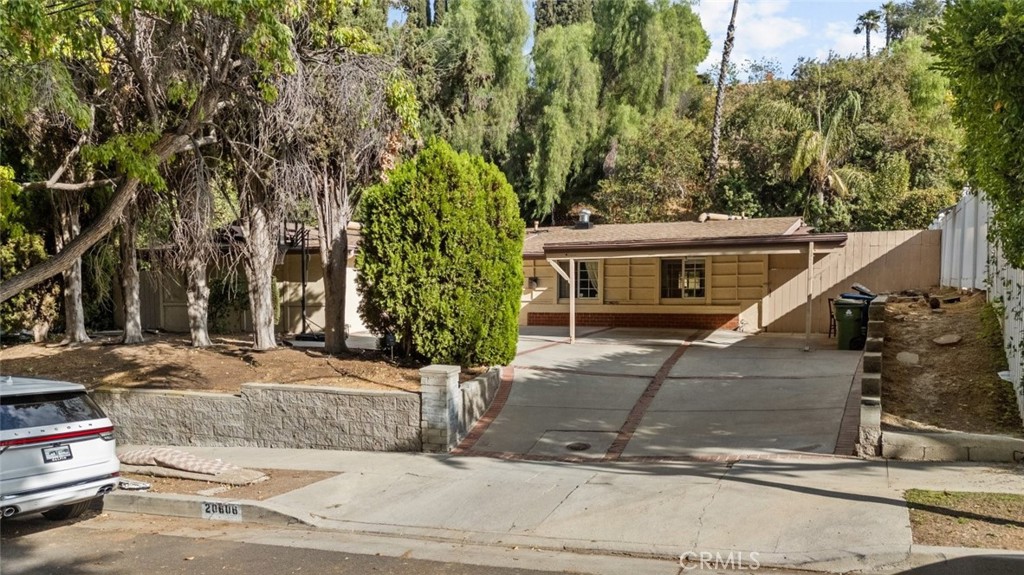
{"points": [[305, 417]]}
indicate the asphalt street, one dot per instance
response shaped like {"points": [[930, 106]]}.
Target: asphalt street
{"points": [[128, 545]]}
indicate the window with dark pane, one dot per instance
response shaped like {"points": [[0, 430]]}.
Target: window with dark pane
{"points": [[671, 271]]}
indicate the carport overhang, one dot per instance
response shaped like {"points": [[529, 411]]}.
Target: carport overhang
{"points": [[809, 244]]}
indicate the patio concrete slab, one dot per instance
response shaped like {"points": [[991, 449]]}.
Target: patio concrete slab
{"points": [[621, 358], [518, 428], [760, 394], [668, 433], [542, 388]]}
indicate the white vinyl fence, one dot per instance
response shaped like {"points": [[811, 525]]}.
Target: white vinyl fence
{"points": [[969, 261]]}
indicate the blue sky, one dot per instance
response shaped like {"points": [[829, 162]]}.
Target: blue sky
{"points": [[786, 29]]}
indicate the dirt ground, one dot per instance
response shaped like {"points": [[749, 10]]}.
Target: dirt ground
{"points": [[280, 481], [987, 520], [954, 387], [167, 361]]}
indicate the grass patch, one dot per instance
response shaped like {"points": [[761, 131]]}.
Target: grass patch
{"points": [[959, 519]]}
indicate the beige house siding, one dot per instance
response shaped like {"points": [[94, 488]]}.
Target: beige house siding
{"points": [[765, 291], [735, 286]]}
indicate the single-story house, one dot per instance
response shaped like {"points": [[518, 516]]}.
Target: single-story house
{"points": [[709, 274], [739, 273]]}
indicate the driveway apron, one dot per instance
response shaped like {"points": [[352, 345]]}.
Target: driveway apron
{"points": [[639, 394]]}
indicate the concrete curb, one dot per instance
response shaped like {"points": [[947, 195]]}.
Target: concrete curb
{"points": [[190, 506], [269, 513], [952, 446]]}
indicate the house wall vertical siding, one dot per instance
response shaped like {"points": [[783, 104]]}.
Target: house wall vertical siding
{"points": [[882, 261], [970, 261], [164, 305]]}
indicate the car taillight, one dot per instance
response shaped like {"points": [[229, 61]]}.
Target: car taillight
{"points": [[107, 435], [54, 437]]}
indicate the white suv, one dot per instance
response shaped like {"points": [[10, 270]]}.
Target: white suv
{"points": [[56, 449]]}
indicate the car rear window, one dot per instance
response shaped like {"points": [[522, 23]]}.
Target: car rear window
{"points": [[21, 411]]}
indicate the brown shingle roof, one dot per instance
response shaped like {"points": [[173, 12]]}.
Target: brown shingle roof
{"points": [[626, 235]]}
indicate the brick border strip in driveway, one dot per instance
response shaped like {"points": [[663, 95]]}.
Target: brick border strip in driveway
{"points": [[636, 415]]}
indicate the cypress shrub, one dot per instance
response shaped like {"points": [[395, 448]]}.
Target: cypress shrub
{"points": [[440, 260]]}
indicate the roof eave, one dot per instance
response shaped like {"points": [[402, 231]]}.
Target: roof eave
{"points": [[748, 241]]}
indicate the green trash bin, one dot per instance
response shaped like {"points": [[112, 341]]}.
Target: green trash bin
{"points": [[849, 326]]}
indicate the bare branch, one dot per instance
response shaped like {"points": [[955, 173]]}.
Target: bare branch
{"points": [[69, 187]]}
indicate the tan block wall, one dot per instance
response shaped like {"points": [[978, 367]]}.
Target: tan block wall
{"points": [[882, 261]]}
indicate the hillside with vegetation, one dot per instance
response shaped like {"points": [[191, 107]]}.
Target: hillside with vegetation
{"points": [[180, 129]]}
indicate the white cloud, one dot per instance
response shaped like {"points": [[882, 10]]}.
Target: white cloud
{"points": [[840, 38], [762, 28]]}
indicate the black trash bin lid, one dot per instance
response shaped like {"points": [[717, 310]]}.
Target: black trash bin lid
{"points": [[860, 288]]}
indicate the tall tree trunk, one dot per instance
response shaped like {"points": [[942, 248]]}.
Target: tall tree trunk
{"points": [[68, 205], [333, 216], [197, 294], [335, 275], [867, 42], [130, 303], [716, 126], [260, 253]]}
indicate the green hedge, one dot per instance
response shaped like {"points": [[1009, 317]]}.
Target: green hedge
{"points": [[440, 261]]}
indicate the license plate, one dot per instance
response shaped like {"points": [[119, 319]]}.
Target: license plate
{"points": [[56, 453]]}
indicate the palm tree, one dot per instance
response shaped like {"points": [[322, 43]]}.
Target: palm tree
{"points": [[821, 149], [889, 11], [716, 126], [868, 22]]}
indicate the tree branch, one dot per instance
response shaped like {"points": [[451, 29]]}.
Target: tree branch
{"points": [[69, 187], [123, 196]]}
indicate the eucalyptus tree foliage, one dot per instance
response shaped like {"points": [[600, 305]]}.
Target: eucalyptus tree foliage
{"points": [[657, 173], [481, 74], [566, 120], [156, 76], [339, 120]]}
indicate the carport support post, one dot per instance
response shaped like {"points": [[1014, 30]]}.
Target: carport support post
{"points": [[572, 301], [571, 278], [810, 296]]}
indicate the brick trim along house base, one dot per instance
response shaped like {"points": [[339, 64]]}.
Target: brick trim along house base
{"points": [[690, 320]]}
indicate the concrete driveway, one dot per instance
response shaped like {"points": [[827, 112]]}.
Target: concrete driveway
{"points": [[634, 394]]}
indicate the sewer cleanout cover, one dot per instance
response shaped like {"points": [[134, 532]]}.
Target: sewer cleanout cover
{"points": [[589, 444]]}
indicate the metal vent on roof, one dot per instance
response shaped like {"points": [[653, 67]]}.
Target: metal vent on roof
{"points": [[584, 222]]}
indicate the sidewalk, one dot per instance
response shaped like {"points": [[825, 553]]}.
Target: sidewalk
{"points": [[829, 514]]}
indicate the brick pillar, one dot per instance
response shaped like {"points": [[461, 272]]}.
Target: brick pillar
{"points": [[440, 405]]}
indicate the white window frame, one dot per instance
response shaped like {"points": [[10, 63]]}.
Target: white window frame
{"points": [[706, 261], [581, 271]]}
